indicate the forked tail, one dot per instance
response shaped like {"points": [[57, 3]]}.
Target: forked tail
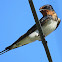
{"points": [[6, 50]]}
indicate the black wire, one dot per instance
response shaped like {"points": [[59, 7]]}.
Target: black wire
{"points": [[40, 30]]}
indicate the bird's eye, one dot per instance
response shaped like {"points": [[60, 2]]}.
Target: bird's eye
{"points": [[45, 7]]}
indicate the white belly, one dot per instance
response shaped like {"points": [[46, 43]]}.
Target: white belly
{"points": [[50, 27], [47, 29]]}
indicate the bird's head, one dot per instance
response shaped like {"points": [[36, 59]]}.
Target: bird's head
{"points": [[46, 10]]}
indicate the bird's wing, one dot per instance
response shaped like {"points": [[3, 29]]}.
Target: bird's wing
{"points": [[58, 22], [24, 39], [44, 20]]}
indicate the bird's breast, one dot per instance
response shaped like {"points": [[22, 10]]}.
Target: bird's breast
{"points": [[49, 27]]}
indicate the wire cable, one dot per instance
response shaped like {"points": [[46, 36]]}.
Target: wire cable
{"points": [[39, 27]]}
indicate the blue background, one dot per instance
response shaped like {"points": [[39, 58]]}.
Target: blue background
{"points": [[15, 19]]}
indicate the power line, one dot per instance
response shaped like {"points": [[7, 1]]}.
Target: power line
{"points": [[39, 27]]}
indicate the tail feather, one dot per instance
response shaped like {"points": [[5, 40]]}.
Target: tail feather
{"points": [[6, 50]]}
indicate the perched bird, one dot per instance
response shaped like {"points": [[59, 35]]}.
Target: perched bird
{"points": [[49, 23]]}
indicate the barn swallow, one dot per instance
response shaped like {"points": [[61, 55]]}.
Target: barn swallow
{"points": [[49, 23]]}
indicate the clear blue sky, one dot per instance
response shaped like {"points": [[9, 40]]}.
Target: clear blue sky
{"points": [[15, 19]]}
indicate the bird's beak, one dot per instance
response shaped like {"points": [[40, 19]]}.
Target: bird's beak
{"points": [[41, 9]]}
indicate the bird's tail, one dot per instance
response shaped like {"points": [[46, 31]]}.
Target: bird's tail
{"points": [[6, 50]]}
